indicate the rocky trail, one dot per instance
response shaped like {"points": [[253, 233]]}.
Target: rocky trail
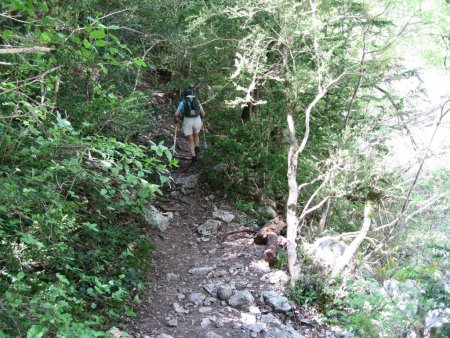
{"points": [[202, 287]]}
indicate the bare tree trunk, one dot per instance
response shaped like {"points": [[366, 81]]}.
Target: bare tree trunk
{"points": [[291, 217], [353, 247], [324, 217]]}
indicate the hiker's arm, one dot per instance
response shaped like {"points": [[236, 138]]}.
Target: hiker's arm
{"points": [[177, 115], [202, 112]]}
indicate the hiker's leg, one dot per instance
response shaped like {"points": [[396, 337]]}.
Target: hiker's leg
{"points": [[191, 144], [196, 128], [196, 139]]}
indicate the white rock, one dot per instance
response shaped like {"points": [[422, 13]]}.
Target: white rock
{"points": [[327, 251], [163, 335], [405, 294], [115, 332], [257, 327], [435, 319], [209, 227], [205, 322], [205, 309], [276, 277], [157, 219], [223, 215]]}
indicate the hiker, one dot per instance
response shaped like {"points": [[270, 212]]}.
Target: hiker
{"points": [[191, 112]]}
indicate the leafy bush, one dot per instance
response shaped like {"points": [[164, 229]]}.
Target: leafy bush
{"points": [[69, 251]]}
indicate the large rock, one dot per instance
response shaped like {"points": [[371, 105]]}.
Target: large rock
{"points": [[437, 320], [284, 332], [210, 227], [157, 219], [241, 299], [267, 211], [223, 215], [188, 182], [405, 294], [327, 251], [278, 302]]}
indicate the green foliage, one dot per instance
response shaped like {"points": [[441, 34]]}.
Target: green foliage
{"points": [[73, 189]]}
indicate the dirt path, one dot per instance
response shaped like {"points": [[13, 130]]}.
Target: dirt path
{"points": [[203, 288]]}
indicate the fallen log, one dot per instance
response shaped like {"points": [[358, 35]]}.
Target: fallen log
{"points": [[270, 254], [268, 235], [274, 226]]}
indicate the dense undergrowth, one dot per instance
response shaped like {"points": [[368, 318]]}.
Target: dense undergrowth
{"points": [[73, 187]]}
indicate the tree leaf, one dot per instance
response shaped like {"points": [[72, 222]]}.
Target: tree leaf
{"points": [[98, 34], [100, 43], [36, 331]]}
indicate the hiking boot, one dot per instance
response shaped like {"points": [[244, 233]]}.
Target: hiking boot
{"points": [[197, 150], [194, 159]]}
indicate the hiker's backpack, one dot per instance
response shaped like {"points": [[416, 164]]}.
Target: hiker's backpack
{"points": [[191, 107]]}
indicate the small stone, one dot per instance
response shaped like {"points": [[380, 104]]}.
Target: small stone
{"points": [[205, 309], [209, 227], [224, 292], [241, 299], [219, 273], [172, 322], [211, 289], [257, 327], [205, 322], [179, 309], [196, 297], [212, 335], [180, 296], [172, 277], [219, 322], [236, 325], [212, 251], [163, 335], [253, 334], [188, 182], [201, 270], [175, 194], [223, 215]]}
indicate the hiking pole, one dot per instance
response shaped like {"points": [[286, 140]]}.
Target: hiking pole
{"points": [[204, 140], [175, 139]]}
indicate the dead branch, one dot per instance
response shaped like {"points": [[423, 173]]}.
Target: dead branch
{"points": [[22, 50]]}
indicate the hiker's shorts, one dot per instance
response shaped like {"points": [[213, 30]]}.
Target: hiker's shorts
{"points": [[192, 125]]}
